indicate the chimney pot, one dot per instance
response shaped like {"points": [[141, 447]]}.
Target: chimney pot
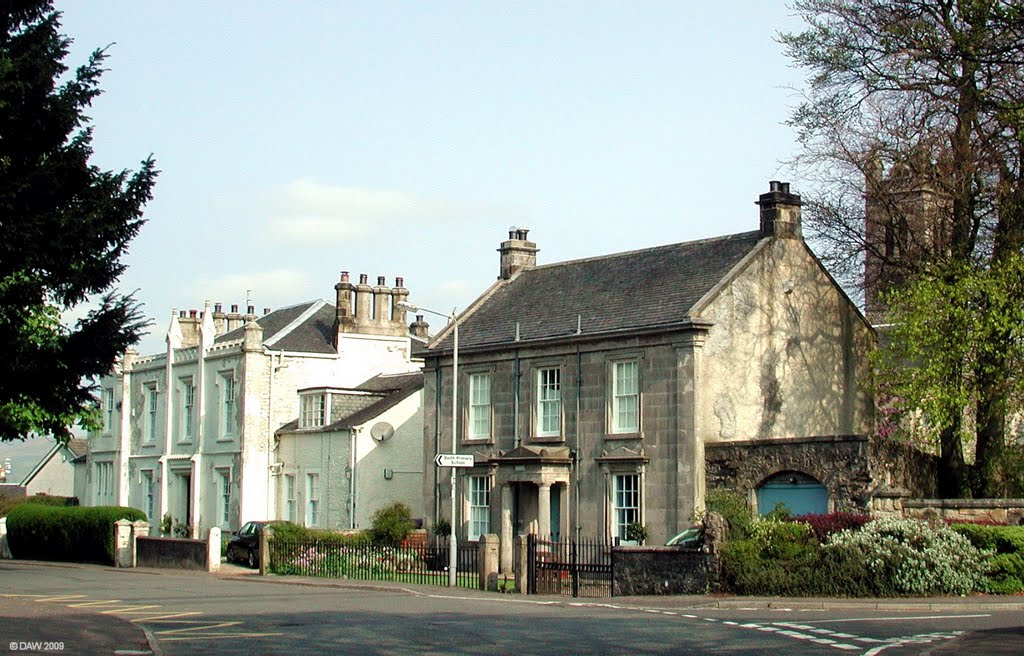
{"points": [[234, 308], [399, 281], [218, 307], [266, 310], [193, 313], [251, 309], [380, 280], [182, 314], [363, 278], [344, 276]]}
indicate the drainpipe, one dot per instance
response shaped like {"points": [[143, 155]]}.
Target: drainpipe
{"points": [[352, 435], [437, 440], [576, 459], [515, 402], [270, 425]]}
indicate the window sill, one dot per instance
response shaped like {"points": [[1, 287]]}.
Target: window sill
{"points": [[148, 445], [187, 442], [480, 441], [623, 436], [547, 439], [230, 438]]}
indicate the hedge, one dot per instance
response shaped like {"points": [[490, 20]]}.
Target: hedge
{"points": [[70, 534], [1006, 564], [7, 504]]}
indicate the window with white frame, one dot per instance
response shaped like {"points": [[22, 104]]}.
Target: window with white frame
{"points": [[549, 402], [312, 499], [104, 472], [108, 409], [625, 503], [314, 410], [227, 405], [479, 506], [625, 397], [150, 431], [224, 507], [147, 493], [188, 408], [289, 497], [479, 406]]}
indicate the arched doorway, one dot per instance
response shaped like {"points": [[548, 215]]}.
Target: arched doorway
{"points": [[800, 493]]}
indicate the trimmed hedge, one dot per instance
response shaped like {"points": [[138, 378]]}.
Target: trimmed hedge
{"points": [[1006, 562], [70, 534], [7, 504]]}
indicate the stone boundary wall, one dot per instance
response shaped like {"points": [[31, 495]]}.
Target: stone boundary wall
{"points": [[662, 571], [1009, 511], [853, 468], [171, 553]]}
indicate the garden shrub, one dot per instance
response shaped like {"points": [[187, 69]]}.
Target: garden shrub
{"points": [[824, 525], [391, 524], [66, 533], [778, 558], [910, 557], [734, 508], [9, 503], [1006, 562]]}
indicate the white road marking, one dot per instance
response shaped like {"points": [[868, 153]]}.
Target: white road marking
{"points": [[896, 619]]}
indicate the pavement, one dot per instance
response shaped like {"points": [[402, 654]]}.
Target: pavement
{"points": [[107, 634]]}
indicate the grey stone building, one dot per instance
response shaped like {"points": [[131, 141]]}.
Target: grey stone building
{"points": [[596, 393]]}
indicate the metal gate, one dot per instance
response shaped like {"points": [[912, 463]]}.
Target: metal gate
{"points": [[581, 568]]}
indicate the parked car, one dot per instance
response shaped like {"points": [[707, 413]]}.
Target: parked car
{"points": [[691, 537], [244, 546]]}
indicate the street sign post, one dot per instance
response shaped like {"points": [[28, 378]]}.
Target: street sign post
{"points": [[453, 460]]}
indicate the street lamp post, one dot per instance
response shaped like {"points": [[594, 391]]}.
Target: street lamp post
{"points": [[452, 540]]}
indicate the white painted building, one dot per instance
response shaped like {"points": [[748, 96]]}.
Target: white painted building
{"points": [[190, 433]]}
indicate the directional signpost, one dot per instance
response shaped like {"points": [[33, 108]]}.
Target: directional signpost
{"points": [[453, 460]]}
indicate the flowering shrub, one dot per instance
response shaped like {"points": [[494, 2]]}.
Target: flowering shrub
{"points": [[825, 525], [910, 557], [335, 560]]}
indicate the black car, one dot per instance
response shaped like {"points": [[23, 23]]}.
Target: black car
{"points": [[244, 546]]}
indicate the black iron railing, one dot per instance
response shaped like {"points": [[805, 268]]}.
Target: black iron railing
{"points": [[411, 563], [582, 568]]}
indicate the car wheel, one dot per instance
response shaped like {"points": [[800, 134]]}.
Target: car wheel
{"points": [[251, 559]]}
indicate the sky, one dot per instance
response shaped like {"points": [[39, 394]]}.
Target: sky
{"points": [[299, 139], [296, 140]]}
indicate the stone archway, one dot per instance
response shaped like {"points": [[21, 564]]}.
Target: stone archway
{"points": [[800, 493]]}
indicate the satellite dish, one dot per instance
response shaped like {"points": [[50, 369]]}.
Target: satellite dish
{"points": [[382, 431]]}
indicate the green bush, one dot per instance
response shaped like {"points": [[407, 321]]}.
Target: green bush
{"points": [[734, 508], [392, 524], [777, 558], [72, 534], [9, 503], [291, 532], [911, 557], [1006, 562]]}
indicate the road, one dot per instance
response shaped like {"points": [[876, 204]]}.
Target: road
{"points": [[191, 613]]}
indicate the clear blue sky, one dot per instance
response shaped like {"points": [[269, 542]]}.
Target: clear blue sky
{"points": [[300, 139]]}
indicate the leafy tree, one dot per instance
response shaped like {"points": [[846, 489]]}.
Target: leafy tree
{"points": [[64, 226], [919, 104], [948, 328]]}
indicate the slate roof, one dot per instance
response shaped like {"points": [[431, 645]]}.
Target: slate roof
{"points": [[624, 291], [314, 334], [387, 391], [78, 446]]}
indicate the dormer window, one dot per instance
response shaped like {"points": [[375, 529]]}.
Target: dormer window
{"points": [[314, 410]]}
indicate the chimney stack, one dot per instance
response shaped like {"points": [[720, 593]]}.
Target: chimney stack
{"points": [[517, 253], [419, 328], [369, 310], [780, 212]]}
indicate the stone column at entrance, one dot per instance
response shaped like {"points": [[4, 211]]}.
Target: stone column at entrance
{"points": [[544, 509], [506, 529]]}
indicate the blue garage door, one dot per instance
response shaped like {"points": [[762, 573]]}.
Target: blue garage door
{"points": [[800, 493]]}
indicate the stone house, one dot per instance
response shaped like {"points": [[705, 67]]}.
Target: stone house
{"points": [[190, 434], [600, 392]]}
